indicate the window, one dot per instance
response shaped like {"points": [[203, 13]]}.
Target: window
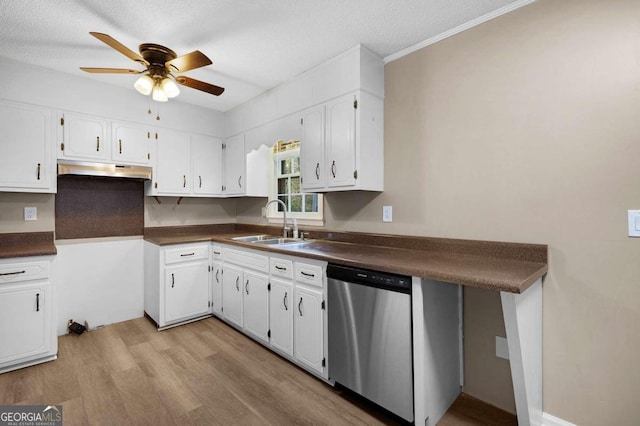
{"points": [[287, 187]]}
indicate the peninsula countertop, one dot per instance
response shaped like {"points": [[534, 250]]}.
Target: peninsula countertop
{"points": [[499, 266]]}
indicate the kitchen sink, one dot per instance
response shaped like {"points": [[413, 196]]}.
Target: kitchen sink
{"points": [[253, 238], [278, 241]]}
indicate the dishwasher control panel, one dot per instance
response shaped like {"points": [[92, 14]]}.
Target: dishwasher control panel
{"points": [[385, 280]]}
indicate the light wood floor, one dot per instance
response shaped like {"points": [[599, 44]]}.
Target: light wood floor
{"points": [[201, 373]]}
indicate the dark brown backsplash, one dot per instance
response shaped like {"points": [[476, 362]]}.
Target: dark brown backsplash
{"points": [[90, 206]]}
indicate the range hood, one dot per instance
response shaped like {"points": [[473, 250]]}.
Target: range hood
{"points": [[66, 167]]}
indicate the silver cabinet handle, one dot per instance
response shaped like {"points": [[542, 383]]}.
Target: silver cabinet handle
{"points": [[307, 274], [37, 302], [300, 306], [216, 253], [238, 283], [281, 268], [184, 181], [97, 143], [173, 280], [240, 181], [333, 168], [200, 177], [217, 275], [38, 171], [246, 287], [284, 302], [12, 273], [318, 171], [187, 254], [120, 145]]}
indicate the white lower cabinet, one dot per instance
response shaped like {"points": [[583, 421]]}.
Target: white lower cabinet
{"points": [[281, 315], [216, 288], [279, 301], [232, 294], [256, 304], [176, 288], [27, 329]]}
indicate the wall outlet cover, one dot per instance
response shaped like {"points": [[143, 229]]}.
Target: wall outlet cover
{"points": [[30, 213], [633, 223]]}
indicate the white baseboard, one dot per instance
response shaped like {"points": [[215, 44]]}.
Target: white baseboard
{"points": [[549, 420]]}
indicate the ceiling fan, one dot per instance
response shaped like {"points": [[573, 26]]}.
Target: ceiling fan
{"points": [[160, 65]]}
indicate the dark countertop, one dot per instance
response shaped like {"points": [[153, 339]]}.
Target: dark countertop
{"points": [[27, 244], [499, 266]]}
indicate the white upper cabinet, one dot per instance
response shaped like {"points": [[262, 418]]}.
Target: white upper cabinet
{"points": [[26, 163], [342, 146], [83, 137], [172, 172], [234, 166], [131, 144], [312, 150], [207, 165]]}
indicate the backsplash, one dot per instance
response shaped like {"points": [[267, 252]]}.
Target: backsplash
{"points": [[89, 206]]}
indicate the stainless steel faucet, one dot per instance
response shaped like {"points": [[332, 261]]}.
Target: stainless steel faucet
{"points": [[284, 212]]}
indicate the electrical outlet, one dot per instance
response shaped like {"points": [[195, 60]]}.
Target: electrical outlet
{"points": [[387, 213], [30, 213]]}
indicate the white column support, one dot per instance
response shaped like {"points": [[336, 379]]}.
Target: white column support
{"points": [[523, 322]]}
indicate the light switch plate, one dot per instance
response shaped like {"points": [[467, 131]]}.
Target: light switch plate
{"points": [[30, 213], [633, 223], [387, 213]]}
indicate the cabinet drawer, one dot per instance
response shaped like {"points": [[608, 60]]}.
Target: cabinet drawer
{"points": [[308, 274], [247, 259], [216, 252], [186, 254], [15, 272], [281, 267]]}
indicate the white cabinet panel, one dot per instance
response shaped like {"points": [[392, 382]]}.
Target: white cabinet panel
{"points": [[232, 287], [186, 291], [216, 289], [340, 142], [131, 144], [172, 174], [234, 166], [312, 148], [207, 164], [84, 138], [281, 315], [256, 304], [309, 338], [25, 163]]}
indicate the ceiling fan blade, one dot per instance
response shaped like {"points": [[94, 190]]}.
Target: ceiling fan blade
{"points": [[199, 85], [115, 44], [190, 61], [110, 70]]}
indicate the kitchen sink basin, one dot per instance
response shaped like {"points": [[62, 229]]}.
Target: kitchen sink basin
{"points": [[253, 238], [278, 241]]}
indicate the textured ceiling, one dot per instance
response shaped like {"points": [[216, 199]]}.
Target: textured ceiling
{"points": [[254, 44]]}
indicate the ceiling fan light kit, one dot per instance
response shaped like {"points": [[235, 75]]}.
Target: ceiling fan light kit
{"points": [[160, 62]]}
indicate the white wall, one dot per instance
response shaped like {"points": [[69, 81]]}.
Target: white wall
{"points": [[100, 281]]}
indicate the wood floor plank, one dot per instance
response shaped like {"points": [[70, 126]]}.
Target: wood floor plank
{"points": [[203, 373]]}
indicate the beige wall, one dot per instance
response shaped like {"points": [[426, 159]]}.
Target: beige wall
{"points": [[12, 212], [527, 128], [190, 211]]}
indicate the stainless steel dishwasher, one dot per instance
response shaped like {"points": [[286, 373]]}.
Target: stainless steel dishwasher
{"points": [[370, 344]]}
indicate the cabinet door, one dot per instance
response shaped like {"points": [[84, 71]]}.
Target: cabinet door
{"points": [[25, 140], [256, 304], [234, 166], [84, 138], [131, 144], [312, 160], [309, 347], [232, 287], [207, 165], [281, 315], [186, 291], [25, 321], [216, 286], [341, 142], [172, 174]]}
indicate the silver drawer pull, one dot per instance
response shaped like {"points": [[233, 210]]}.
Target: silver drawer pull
{"points": [[37, 302], [300, 306], [13, 273], [281, 268], [187, 254], [217, 253], [284, 301], [307, 274]]}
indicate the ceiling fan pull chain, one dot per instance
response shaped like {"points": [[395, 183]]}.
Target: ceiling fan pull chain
{"points": [[158, 114]]}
